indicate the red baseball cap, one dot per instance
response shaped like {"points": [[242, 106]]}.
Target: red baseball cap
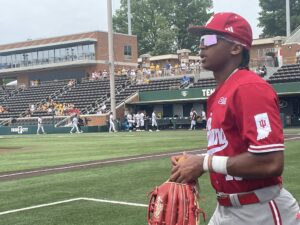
{"points": [[227, 23]]}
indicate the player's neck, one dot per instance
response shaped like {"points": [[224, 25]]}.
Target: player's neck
{"points": [[223, 74]]}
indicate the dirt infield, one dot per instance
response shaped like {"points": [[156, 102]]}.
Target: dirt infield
{"points": [[7, 176]]}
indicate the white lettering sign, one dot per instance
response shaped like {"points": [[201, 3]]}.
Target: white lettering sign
{"points": [[19, 130], [208, 92]]}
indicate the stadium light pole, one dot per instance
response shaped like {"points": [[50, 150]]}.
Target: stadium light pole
{"points": [[129, 17], [111, 59], [288, 18]]}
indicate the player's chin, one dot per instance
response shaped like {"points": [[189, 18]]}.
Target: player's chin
{"points": [[206, 66]]}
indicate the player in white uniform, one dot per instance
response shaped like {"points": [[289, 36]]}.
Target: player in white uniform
{"points": [[203, 119], [130, 121], [138, 121], [153, 121], [111, 123], [142, 121], [40, 126], [74, 125]]}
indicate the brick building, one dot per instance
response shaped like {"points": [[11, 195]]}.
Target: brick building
{"points": [[65, 57]]}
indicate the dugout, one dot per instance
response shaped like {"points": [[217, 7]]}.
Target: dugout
{"points": [[178, 103]]}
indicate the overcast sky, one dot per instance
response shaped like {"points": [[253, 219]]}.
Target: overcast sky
{"points": [[33, 19]]}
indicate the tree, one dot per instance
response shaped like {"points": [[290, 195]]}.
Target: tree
{"points": [[273, 17], [161, 26]]}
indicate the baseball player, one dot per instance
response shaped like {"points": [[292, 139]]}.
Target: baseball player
{"points": [[74, 124], [40, 126], [203, 119], [153, 121], [245, 153], [193, 117], [138, 121], [130, 121], [142, 121], [111, 123]]}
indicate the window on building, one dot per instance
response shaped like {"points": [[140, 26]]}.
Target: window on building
{"points": [[127, 51], [42, 56], [3, 62], [51, 56], [9, 61], [92, 51], [264, 51], [18, 59], [34, 58]]}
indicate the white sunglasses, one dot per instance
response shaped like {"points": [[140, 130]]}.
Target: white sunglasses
{"points": [[212, 39]]}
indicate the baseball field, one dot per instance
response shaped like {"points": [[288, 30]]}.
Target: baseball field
{"points": [[101, 178]]}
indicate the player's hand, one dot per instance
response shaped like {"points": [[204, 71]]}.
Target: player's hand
{"points": [[175, 159], [187, 170]]}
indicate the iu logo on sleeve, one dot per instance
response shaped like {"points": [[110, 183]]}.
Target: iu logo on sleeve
{"points": [[263, 126]]}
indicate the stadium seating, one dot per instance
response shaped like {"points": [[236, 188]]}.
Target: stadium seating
{"points": [[88, 96], [19, 103], [85, 95], [208, 82], [286, 73]]}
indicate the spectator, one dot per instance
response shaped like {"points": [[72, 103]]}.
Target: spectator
{"points": [[87, 76], [105, 74], [152, 69], [119, 72], [192, 67], [32, 108], [157, 70], [168, 68], [185, 81], [298, 56], [71, 83], [183, 67], [2, 109], [94, 76], [176, 69], [124, 72], [197, 66], [132, 74], [262, 71], [103, 108]]}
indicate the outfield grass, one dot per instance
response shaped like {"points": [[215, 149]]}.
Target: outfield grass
{"points": [[128, 182], [50, 150]]}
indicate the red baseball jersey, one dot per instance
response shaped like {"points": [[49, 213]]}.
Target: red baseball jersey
{"points": [[243, 115]]}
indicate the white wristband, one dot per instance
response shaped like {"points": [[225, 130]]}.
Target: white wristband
{"points": [[219, 164], [205, 163]]}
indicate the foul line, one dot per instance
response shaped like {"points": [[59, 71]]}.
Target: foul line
{"points": [[95, 163], [292, 138], [72, 200]]}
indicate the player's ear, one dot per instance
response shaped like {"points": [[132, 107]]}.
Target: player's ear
{"points": [[236, 49]]}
